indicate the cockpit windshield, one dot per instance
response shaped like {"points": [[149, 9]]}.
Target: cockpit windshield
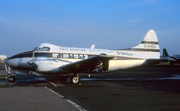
{"points": [[42, 47], [36, 49], [45, 49]]}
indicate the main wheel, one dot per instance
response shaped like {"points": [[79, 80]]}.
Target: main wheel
{"points": [[75, 80], [11, 79]]}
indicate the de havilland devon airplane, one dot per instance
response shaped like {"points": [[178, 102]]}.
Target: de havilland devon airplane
{"points": [[63, 61]]}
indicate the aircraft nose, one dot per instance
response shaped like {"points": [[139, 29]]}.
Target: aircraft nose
{"points": [[10, 62]]}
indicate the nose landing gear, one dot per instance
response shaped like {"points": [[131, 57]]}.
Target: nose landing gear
{"points": [[9, 77]]}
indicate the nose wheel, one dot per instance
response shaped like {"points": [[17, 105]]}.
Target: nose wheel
{"points": [[11, 79]]}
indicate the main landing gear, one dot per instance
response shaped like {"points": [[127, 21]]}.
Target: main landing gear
{"points": [[10, 78], [74, 79]]}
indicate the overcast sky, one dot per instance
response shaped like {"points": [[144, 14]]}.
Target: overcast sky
{"points": [[109, 24]]}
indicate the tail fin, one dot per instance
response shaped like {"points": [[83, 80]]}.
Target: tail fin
{"points": [[165, 53], [149, 46]]}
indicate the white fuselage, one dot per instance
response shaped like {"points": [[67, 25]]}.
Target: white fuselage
{"points": [[51, 61]]}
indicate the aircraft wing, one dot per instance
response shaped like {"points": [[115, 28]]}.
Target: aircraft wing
{"points": [[86, 64]]}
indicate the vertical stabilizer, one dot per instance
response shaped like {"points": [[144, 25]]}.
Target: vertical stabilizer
{"points": [[149, 46], [165, 53], [150, 37], [150, 41]]}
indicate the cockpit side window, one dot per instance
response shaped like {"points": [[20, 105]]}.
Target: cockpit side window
{"points": [[45, 49]]}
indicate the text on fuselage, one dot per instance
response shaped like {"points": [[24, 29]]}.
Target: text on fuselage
{"points": [[150, 46], [124, 53]]}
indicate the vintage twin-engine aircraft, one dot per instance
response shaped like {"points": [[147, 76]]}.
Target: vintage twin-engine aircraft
{"points": [[52, 59]]}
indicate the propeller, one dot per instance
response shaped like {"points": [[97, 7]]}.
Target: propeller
{"points": [[33, 64], [5, 65]]}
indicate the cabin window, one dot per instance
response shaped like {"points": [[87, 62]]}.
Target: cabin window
{"points": [[76, 56], [65, 56], [45, 49], [60, 56], [72, 56], [43, 55], [55, 55], [81, 56], [85, 56]]}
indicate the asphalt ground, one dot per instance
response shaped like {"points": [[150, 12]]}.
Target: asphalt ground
{"points": [[152, 88]]}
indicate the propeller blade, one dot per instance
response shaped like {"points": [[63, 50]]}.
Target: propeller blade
{"points": [[5, 65]]}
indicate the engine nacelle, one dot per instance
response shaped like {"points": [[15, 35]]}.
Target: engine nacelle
{"points": [[49, 66]]}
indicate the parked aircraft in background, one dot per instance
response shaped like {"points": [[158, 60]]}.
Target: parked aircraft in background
{"points": [[171, 59], [51, 59]]}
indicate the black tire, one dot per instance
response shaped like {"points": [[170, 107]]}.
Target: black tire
{"points": [[11, 79], [75, 80]]}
